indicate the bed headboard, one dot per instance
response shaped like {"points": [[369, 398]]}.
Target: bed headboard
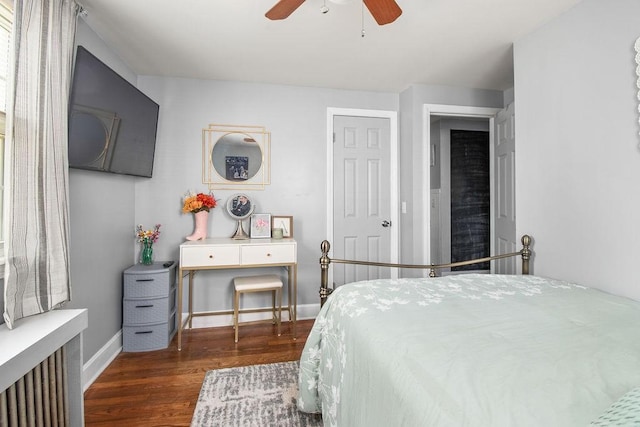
{"points": [[325, 261]]}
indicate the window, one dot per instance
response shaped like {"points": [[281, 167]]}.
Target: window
{"points": [[6, 16]]}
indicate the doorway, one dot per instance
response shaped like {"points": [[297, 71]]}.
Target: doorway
{"points": [[460, 190], [435, 196]]}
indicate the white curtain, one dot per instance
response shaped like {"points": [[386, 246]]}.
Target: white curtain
{"points": [[37, 221]]}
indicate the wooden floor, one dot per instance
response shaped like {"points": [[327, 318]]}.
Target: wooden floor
{"points": [[160, 388]]}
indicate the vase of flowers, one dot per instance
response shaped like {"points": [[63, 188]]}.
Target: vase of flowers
{"points": [[146, 256], [199, 205], [147, 238]]}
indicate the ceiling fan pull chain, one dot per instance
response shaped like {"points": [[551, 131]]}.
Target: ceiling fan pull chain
{"points": [[324, 8]]}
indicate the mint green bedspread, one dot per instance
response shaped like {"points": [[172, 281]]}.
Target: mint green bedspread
{"points": [[469, 350]]}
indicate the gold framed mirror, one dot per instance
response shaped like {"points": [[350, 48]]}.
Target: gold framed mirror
{"points": [[236, 157]]}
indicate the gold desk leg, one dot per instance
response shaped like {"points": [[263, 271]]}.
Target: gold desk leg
{"points": [[179, 309], [295, 299], [289, 291], [191, 299]]}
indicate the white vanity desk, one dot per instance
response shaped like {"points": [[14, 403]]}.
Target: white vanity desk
{"points": [[227, 253]]}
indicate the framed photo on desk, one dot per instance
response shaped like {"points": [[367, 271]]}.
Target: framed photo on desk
{"points": [[284, 222], [260, 226]]}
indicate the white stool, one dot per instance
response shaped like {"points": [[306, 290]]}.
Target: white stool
{"points": [[269, 282]]}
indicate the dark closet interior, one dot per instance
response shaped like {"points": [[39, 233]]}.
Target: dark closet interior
{"points": [[470, 197]]}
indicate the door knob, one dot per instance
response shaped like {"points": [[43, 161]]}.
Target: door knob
{"points": [[386, 223]]}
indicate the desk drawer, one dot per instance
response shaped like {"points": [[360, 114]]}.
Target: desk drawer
{"points": [[268, 254], [204, 256]]}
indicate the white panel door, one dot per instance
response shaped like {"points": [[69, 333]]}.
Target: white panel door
{"points": [[505, 203], [361, 204]]}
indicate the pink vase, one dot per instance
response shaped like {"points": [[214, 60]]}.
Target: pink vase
{"points": [[200, 230]]}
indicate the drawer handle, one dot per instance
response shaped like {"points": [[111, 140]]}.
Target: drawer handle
{"points": [[145, 280], [211, 256], [144, 306], [144, 332], [268, 254]]}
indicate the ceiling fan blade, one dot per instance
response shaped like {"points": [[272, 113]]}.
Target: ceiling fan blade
{"points": [[283, 9], [383, 11]]}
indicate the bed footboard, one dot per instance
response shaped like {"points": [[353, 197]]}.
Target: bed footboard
{"points": [[325, 262]]}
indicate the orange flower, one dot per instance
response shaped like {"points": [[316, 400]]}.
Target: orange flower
{"points": [[198, 202]]}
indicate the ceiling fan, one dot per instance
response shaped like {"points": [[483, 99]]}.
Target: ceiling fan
{"points": [[383, 11]]}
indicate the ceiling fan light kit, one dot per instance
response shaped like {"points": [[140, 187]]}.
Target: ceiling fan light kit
{"points": [[383, 11]]}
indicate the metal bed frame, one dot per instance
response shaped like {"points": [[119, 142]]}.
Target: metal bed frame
{"points": [[325, 262]]}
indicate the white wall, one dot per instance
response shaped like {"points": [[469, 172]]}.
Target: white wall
{"points": [[577, 155]]}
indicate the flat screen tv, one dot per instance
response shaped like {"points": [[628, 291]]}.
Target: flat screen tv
{"points": [[112, 124]]}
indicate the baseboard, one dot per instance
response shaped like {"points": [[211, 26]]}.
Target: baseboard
{"points": [[99, 362], [305, 311]]}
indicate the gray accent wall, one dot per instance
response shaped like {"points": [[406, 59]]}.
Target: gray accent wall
{"points": [[577, 145]]}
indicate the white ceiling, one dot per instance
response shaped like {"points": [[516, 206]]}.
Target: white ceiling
{"points": [[465, 43]]}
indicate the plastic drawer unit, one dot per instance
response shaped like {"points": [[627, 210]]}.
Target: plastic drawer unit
{"points": [[149, 307]]}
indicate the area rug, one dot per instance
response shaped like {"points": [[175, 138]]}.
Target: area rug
{"points": [[256, 395]]}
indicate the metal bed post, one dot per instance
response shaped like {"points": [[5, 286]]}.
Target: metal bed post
{"points": [[525, 253], [325, 291]]}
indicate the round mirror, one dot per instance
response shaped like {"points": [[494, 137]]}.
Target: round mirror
{"points": [[236, 157], [239, 206]]}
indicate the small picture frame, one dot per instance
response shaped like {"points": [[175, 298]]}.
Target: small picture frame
{"points": [[284, 222], [237, 168], [260, 226]]}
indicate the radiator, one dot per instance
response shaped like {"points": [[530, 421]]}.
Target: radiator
{"points": [[39, 398]]}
